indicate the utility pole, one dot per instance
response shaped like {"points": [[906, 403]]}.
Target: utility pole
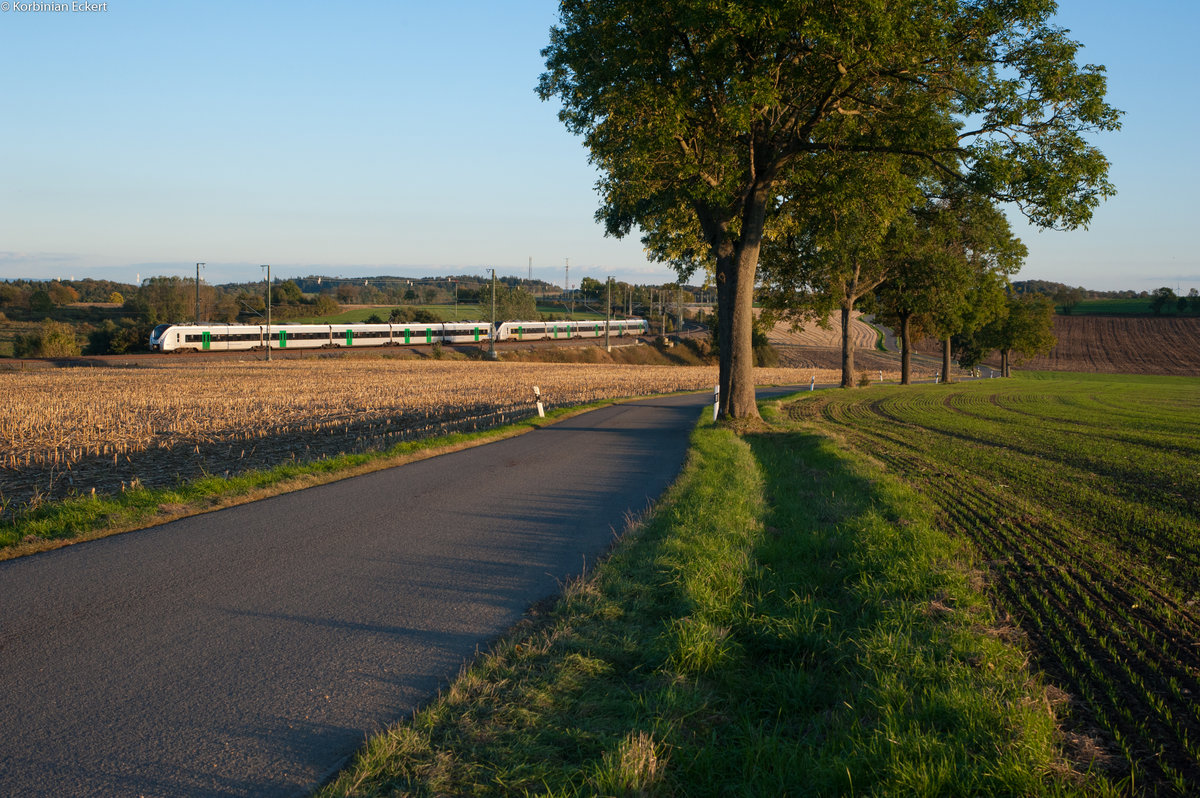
{"points": [[268, 268], [679, 325], [198, 265], [608, 317], [492, 346]]}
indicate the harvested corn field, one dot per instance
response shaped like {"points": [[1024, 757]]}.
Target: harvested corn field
{"points": [[66, 431]]}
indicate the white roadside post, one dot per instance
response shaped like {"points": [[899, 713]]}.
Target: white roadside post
{"points": [[812, 386], [716, 401], [537, 395]]}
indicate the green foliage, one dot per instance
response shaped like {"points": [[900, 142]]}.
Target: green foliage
{"points": [[40, 301], [324, 305], [511, 303], [12, 296], [701, 117], [1162, 298], [412, 315], [164, 300], [1026, 327], [52, 339], [1068, 298], [287, 291]]}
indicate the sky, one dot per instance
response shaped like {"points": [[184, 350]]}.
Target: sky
{"points": [[406, 138]]}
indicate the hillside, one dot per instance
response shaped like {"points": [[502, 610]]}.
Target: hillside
{"points": [[1123, 345], [818, 348]]}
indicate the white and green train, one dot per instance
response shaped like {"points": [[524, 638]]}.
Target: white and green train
{"points": [[230, 337]]}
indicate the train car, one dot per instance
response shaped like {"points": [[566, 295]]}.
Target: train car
{"points": [[521, 331], [466, 332], [360, 335], [296, 336], [228, 337], [205, 337], [556, 330], [629, 327]]}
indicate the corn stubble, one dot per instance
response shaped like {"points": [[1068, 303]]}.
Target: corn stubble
{"points": [[67, 431]]}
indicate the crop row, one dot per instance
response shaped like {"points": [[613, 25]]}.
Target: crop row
{"points": [[1080, 498]]}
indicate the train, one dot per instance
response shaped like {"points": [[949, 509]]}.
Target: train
{"points": [[231, 337]]}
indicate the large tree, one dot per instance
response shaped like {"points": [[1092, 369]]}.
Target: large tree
{"points": [[833, 240], [702, 110], [908, 297], [1027, 329]]}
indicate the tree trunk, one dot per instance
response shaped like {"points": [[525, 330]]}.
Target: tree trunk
{"points": [[741, 264], [1004, 372], [724, 278], [905, 352], [946, 360], [742, 400], [847, 347]]}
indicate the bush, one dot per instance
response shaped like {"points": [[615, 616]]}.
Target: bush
{"points": [[54, 339], [411, 315]]}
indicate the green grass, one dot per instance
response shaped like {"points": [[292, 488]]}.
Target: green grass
{"points": [[880, 346], [1123, 307], [1079, 492], [790, 620]]}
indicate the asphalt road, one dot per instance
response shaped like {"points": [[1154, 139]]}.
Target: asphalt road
{"points": [[249, 651]]}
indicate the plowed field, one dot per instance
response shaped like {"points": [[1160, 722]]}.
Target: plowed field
{"points": [[1081, 498], [1123, 345], [813, 334]]}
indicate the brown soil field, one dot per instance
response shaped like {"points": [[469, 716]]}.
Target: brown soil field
{"points": [[1123, 345], [1113, 345], [812, 334], [815, 347]]}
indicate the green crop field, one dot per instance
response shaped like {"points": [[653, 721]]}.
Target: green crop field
{"points": [[1117, 307], [1081, 497]]}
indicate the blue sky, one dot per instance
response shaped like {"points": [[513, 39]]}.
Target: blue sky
{"points": [[403, 138]]}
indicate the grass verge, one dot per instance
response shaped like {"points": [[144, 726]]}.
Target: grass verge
{"points": [[87, 517], [789, 620]]}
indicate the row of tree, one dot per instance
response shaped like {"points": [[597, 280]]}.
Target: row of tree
{"points": [[801, 144], [1165, 299]]}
